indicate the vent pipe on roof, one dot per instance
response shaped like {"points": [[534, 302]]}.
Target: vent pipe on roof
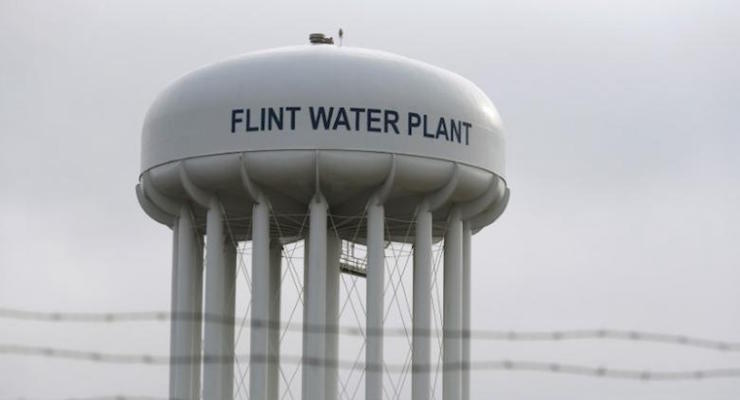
{"points": [[320, 38]]}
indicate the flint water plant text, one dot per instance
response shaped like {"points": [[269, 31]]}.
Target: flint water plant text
{"points": [[349, 119]]}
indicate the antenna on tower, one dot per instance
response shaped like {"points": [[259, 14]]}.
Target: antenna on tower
{"points": [[341, 35]]}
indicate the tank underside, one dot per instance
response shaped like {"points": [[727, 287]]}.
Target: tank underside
{"points": [[290, 179]]}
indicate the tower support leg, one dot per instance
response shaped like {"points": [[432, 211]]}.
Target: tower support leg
{"points": [[333, 252], [259, 345], [375, 282], [422, 312], [466, 323], [314, 349], [273, 337], [185, 324], [452, 318], [196, 324], [229, 315], [174, 321], [215, 329]]}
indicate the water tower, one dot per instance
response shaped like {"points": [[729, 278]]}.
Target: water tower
{"points": [[245, 149]]}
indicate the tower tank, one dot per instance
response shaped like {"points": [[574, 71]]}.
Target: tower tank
{"points": [[323, 144]]}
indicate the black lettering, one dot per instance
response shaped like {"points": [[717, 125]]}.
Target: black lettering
{"points": [[455, 130], [320, 116], [357, 112], [234, 119], [426, 133], [442, 129], [341, 119], [414, 121], [467, 126], [292, 111], [391, 118], [248, 118], [273, 116], [371, 119]]}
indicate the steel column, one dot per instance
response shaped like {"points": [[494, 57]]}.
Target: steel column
{"points": [[273, 336], [422, 312], [466, 322], [185, 325], [452, 317], [306, 280], [314, 350], [174, 326], [197, 322], [333, 252], [375, 284], [260, 301], [229, 315], [217, 289]]}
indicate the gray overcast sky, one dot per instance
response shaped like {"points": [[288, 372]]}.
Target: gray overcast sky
{"points": [[623, 129]]}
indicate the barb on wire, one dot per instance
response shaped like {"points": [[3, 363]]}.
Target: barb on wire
{"points": [[501, 365], [494, 335]]}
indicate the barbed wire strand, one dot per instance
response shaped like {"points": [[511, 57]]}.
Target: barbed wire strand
{"points": [[493, 335], [111, 397], [501, 365]]}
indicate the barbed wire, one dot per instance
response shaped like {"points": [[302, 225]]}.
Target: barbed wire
{"points": [[492, 335], [501, 365], [111, 397]]}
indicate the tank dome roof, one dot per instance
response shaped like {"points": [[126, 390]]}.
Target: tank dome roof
{"points": [[322, 97]]}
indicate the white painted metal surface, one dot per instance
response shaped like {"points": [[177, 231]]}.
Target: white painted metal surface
{"points": [[314, 351], [273, 340], [422, 318], [466, 322], [217, 284], [333, 252], [259, 339], [374, 301], [453, 308], [229, 294], [193, 117], [185, 340], [413, 151]]}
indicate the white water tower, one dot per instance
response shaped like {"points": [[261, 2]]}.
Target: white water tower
{"points": [[369, 148]]}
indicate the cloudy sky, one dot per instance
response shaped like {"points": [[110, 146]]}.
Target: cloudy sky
{"points": [[623, 134]]}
